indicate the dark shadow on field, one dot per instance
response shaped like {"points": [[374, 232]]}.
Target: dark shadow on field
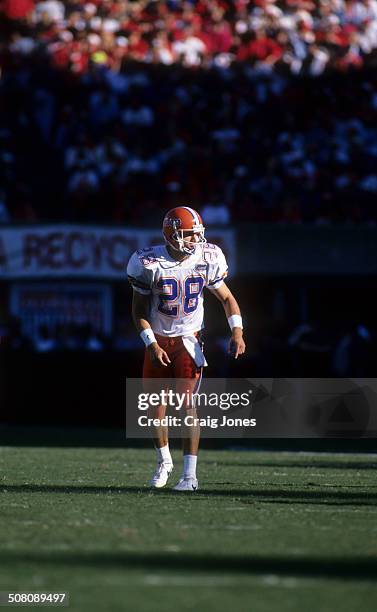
{"points": [[359, 568], [281, 496], [305, 464], [250, 495], [72, 489]]}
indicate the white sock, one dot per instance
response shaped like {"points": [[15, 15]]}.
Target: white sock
{"points": [[189, 466], [163, 454]]}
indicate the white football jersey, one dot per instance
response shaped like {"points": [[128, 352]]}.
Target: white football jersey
{"points": [[176, 287]]}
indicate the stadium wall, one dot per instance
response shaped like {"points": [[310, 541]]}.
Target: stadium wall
{"points": [[297, 250]]}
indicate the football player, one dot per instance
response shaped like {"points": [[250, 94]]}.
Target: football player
{"points": [[168, 282]]}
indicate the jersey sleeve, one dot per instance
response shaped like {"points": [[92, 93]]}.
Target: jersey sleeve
{"points": [[139, 275], [218, 267]]}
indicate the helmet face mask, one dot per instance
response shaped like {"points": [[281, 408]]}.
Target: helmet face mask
{"points": [[187, 246], [180, 223]]}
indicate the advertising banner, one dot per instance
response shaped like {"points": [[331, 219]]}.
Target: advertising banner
{"points": [[82, 251]]}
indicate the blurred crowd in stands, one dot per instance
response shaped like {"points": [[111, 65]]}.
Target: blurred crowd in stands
{"points": [[275, 349], [297, 36], [113, 112]]}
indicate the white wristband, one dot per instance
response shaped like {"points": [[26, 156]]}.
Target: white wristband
{"points": [[235, 321], [148, 336]]}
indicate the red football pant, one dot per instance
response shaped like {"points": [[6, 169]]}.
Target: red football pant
{"points": [[182, 366], [187, 377]]}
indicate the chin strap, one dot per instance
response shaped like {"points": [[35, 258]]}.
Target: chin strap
{"points": [[183, 250]]}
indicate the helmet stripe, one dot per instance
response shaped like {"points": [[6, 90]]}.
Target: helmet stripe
{"points": [[194, 214]]}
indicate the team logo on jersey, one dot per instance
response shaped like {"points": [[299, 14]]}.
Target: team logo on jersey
{"points": [[200, 267]]}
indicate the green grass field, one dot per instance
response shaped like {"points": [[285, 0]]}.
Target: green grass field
{"points": [[266, 531]]}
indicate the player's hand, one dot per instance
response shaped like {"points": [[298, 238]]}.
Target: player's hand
{"points": [[158, 355], [237, 344]]}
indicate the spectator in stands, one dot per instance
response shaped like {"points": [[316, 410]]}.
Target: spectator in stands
{"points": [[86, 131]]}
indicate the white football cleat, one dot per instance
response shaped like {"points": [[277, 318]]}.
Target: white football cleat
{"points": [[187, 484], [161, 475]]}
